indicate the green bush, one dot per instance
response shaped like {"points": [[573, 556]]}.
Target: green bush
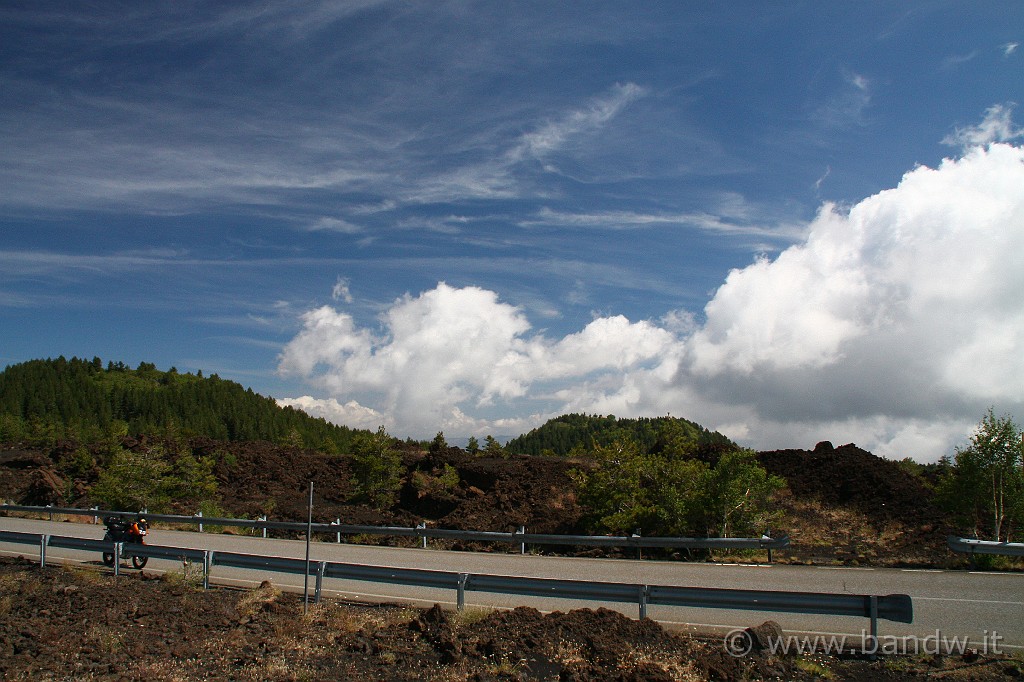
{"points": [[376, 469]]}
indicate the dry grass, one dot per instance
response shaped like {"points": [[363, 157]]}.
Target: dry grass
{"points": [[190, 575], [106, 638], [166, 670], [469, 616], [257, 599], [572, 653], [9, 581], [80, 574], [276, 667]]}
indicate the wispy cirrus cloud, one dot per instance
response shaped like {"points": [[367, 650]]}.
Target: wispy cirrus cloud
{"points": [[507, 173], [996, 126], [955, 60], [554, 135], [327, 224], [632, 220], [846, 108]]}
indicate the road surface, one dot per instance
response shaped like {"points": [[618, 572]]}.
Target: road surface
{"points": [[982, 608]]}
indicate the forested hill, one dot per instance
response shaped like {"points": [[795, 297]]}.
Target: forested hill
{"points": [[47, 400], [560, 436]]}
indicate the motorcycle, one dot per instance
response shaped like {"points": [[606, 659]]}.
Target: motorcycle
{"points": [[120, 530]]}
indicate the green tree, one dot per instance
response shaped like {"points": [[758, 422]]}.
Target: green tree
{"points": [[472, 445], [630, 489], [293, 439], [737, 495], [376, 468], [983, 484], [666, 494], [133, 481], [79, 463], [492, 448], [439, 444], [191, 479], [12, 428]]}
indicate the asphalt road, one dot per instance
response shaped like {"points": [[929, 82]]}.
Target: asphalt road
{"points": [[983, 608]]}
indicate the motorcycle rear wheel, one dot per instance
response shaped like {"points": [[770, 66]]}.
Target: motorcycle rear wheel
{"points": [[108, 557]]}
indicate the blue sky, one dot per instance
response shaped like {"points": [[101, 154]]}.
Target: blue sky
{"points": [[788, 221]]}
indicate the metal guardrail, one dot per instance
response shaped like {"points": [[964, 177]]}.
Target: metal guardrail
{"points": [[520, 537], [893, 607], [108, 547], [971, 546]]}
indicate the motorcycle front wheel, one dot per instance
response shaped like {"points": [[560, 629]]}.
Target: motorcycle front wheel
{"points": [[139, 561]]}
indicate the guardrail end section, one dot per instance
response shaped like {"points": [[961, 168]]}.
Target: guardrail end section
{"points": [[898, 608]]}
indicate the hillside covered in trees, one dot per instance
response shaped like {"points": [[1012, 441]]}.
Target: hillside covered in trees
{"points": [[45, 401], [562, 435]]}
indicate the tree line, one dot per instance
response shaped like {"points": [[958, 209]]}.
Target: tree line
{"points": [[46, 401], [983, 482], [579, 433]]}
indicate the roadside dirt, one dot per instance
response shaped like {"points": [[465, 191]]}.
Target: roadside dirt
{"points": [[845, 505], [82, 623]]}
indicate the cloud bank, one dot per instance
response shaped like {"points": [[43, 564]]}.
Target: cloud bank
{"points": [[894, 324]]}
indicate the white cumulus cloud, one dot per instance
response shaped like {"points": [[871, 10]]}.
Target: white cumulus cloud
{"points": [[897, 321], [351, 414], [449, 348], [894, 324]]}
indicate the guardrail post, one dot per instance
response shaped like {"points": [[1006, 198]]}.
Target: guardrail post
{"points": [[207, 562], [199, 514], [642, 598], [460, 597], [869, 642], [96, 516], [873, 614], [264, 520], [117, 559], [319, 581], [43, 541], [639, 550], [50, 513], [422, 526], [522, 545]]}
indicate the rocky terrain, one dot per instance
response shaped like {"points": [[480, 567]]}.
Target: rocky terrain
{"points": [[82, 623], [842, 505]]}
